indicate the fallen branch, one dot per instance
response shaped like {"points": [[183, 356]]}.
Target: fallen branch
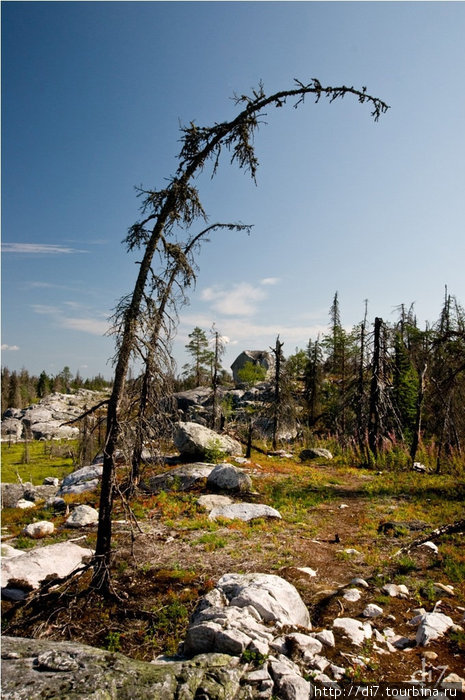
{"points": [[458, 526]]}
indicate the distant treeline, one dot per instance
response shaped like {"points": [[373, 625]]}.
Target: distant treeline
{"points": [[20, 389]]}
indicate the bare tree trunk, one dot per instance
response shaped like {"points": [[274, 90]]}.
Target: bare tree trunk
{"points": [[417, 430], [179, 203], [374, 422], [277, 391]]}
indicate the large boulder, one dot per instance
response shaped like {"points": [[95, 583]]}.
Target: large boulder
{"points": [[182, 478], [226, 477], [274, 598], [82, 516], [244, 611], [193, 439], [315, 453], [35, 565]]}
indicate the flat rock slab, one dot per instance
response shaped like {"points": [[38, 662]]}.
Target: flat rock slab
{"points": [[432, 626], [213, 500], [82, 480], [40, 668], [355, 630], [35, 565], [183, 478], [243, 511]]}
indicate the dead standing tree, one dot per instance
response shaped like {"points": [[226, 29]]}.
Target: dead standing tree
{"points": [[179, 205]]}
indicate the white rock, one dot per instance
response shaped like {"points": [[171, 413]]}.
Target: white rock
{"points": [[337, 671], [304, 643], [355, 630], [82, 516], [351, 551], [394, 590], [453, 680], [372, 610], [306, 570], [36, 564], [244, 511], [326, 637], [343, 505], [43, 528], [274, 598], [432, 626], [51, 481], [22, 503], [352, 595], [359, 582]]}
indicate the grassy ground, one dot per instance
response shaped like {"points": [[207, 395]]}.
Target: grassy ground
{"points": [[176, 554], [36, 460]]}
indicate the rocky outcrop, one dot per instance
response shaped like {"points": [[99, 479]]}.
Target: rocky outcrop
{"points": [[39, 668], [44, 421], [194, 440]]}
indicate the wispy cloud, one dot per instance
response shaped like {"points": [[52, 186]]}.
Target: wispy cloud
{"points": [[39, 249], [92, 325], [9, 347], [86, 325], [269, 281], [241, 300]]}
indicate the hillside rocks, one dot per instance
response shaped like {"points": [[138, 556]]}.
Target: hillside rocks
{"points": [[43, 421], [27, 570], [195, 440]]}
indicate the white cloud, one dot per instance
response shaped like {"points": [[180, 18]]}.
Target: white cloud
{"points": [[254, 335], [241, 300], [39, 249], [9, 347], [269, 281], [86, 325]]}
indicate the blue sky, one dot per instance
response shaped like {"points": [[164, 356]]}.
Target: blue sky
{"points": [[93, 94]]}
